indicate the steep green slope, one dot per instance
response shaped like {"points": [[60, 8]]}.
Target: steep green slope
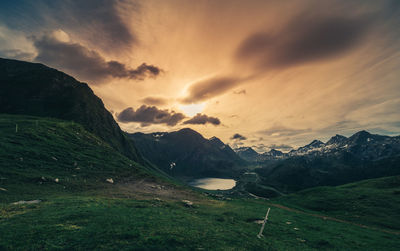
{"points": [[35, 89], [371, 202], [36, 151]]}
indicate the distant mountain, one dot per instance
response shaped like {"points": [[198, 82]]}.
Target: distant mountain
{"points": [[272, 155], [247, 153], [35, 89], [362, 145], [340, 160], [186, 153]]}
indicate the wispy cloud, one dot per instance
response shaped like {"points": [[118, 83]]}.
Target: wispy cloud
{"points": [[209, 88], [278, 130], [238, 136], [152, 100]]}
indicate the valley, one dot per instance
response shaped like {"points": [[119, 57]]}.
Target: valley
{"points": [[71, 179]]}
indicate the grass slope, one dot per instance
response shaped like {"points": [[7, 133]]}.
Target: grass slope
{"points": [[371, 202], [83, 212], [43, 150]]}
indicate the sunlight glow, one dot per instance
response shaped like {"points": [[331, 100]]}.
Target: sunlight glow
{"points": [[192, 109]]}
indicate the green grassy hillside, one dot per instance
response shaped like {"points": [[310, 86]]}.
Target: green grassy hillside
{"points": [[371, 202], [35, 151], [139, 211]]}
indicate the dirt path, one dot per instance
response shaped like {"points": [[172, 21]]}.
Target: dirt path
{"points": [[145, 189], [332, 219]]}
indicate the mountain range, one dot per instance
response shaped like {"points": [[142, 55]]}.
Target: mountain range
{"points": [[362, 145], [338, 161], [186, 153], [37, 90]]}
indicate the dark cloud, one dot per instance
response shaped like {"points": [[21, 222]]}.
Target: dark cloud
{"points": [[99, 22], [146, 115], [238, 136], [279, 130], [209, 88], [243, 91], [85, 63], [202, 119], [306, 38], [155, 101]]}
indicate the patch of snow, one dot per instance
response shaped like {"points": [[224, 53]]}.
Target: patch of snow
{"points": [[158, 135]]}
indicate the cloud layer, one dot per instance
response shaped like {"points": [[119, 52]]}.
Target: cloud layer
{"points": [[202, 119], [85, 63], [147, 115], [100, 22], [305, 39]]}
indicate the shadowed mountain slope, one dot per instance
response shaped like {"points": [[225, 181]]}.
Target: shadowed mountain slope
{"points": [[35, 89], [188, 153]]}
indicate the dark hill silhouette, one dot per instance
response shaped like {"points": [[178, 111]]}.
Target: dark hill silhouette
{"points": [[35, 89]]}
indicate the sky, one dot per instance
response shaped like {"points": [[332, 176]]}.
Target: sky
{"points": [[265, 74]]}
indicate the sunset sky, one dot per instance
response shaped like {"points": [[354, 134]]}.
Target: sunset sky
{"points": [[267, 74]]}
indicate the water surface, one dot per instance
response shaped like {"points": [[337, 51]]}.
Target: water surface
{"points": [[213, 183]]}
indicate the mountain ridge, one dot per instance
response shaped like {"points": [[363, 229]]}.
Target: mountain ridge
{"points": [[362, 144], [187, 153]]}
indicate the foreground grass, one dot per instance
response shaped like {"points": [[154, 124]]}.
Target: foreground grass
{"points": [[96, 222]]}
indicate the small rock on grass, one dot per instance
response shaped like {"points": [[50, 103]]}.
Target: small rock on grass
{"points": [[26, 202], [3, 189], [110, 180], [187, 203]]}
